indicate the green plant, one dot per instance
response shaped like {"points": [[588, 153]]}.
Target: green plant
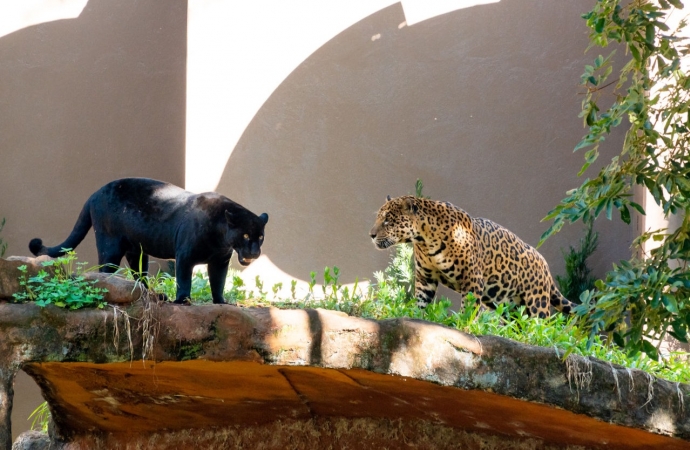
{"points": [[646, 298], [562, 333], [578, 276], [201, 289], [335, 296], [237, 291], [401, 268], [161, 283], [3, 244], [40, 417], [260, 287], [165, 283], [66, 287]]}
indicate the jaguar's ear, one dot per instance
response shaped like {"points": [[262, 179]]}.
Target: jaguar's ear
{"points": [[388, 198], [228, 217], [409, 206], [264, 218]]}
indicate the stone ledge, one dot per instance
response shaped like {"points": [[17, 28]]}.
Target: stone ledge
{"points": [[219, 365]]}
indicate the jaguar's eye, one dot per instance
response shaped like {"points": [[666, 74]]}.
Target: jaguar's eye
{"points": [[385, 223], [261, 238], [246, 236]]}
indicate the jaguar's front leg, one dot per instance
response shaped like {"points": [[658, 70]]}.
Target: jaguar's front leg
{"points": [[425, 285]]}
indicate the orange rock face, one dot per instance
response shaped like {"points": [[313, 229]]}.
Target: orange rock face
{"points": [[134, 401]]}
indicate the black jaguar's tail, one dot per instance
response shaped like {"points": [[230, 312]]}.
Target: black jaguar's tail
{"points": [[76, 236]]}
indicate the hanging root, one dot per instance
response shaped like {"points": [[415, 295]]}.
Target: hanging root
{"points": [[148, 323], [117, 313], [632, 379], [681, 399], [579, 372], [615, 379], [116, 328], [650, 390]]}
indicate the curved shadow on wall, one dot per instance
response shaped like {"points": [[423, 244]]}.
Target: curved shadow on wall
{"points": [[27, 14], [462, 101]]}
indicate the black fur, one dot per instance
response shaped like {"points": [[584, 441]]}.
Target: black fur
{"points": [[135, 215]]}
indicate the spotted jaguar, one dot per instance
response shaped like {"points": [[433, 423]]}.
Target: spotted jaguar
{"points": [[467, 254]]}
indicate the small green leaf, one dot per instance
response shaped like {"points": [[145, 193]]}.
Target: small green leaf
{"points": [[638, 208], [585, 166], [635, 52], [679, 330], [670, 303], [618, 339], [650, 350], [554, 228], [583, 143], [649, 34], [609, 209]]}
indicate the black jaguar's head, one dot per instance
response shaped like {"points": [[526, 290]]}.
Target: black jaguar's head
{"points": [[246, 233], [394, 222]]}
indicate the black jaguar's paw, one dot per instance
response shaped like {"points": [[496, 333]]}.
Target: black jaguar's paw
{"points": [[220, 302], [183, 301]]}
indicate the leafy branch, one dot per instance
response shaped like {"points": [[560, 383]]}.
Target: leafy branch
{"points": [[647, 297]]}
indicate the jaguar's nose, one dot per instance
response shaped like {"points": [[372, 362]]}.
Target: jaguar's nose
{"points": [[372, 235]]}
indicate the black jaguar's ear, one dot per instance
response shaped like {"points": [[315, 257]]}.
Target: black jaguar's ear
{"points": [[228, 216], [388, 198], [264, 218]]}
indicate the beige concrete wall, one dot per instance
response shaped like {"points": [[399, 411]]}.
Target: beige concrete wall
{"points": [[481, 103], [84, 101]]}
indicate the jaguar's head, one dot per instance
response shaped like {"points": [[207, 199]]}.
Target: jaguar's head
{"points": [[246, 234], [395, 222]]}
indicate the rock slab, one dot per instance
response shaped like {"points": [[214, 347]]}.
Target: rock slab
{"points": [[215, 375]]}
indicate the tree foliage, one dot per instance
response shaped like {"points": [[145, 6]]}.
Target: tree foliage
{"points": [[578, 275], [647, 297]]}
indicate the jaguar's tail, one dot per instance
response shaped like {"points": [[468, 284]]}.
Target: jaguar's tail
{"points": [[561, 303], [78, 233]]}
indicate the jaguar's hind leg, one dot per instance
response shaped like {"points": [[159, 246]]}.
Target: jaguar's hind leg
{"points": [[538, 304], [110, 253]]}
